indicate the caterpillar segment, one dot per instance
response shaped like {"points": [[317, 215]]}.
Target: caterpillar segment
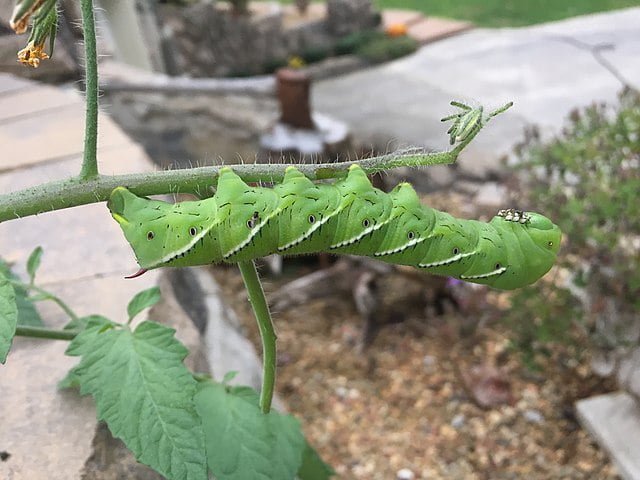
{"points": [[349, 216]]}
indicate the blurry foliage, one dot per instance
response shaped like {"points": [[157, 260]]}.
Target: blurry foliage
{"points": [[240, 7], [376, 46], [588, 181], [387, 48], [274, 64], [314, 54], [350, 43]]}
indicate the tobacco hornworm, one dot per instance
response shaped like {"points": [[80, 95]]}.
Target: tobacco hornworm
{"points": [[296, 217]]}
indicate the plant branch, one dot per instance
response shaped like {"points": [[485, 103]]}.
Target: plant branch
{"points": [[267, 332], [72, 192], [89, 159], [47, 296], [92, 188], [39, 332]]}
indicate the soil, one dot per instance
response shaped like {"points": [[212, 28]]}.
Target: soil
{"points": [[401, 406]]}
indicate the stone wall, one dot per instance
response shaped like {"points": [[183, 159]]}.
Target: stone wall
{"points": [[187, 130], [189, 126], [207, 39]]}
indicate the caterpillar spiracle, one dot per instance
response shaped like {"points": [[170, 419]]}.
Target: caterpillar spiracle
{"points": [[350, 216]]}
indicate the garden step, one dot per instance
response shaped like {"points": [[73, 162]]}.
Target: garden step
{"points": [[78, 242], [431, 29], [19, 103], [396, 16], [10, 84], [614, 421], [48, 433], [48, 124]]}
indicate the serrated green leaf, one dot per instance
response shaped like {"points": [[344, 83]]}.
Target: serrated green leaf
{"points": [[241, 441], [144, 393], [82, 343], [144, 299], [27, 313], [71, 380], [229, 376], [33, 263], [313, 468], [8, 316], [82, 322], [90, 327]]}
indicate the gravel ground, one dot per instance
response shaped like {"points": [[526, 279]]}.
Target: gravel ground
{"points": [[402, 410]]}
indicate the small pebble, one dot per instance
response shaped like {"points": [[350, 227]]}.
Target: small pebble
{"points": [[458, 421], [341, 392], [405, 474], [533, 416], [428, 361]]}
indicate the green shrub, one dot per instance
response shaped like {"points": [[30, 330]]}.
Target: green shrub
{"points": [[274, 64], [240, 7], [314, 54], [386, 48], [352, 42], [588, 181]]}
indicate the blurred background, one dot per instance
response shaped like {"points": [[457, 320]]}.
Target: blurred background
{"points": [[395, 374]]}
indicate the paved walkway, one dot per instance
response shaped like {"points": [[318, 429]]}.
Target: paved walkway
{"points": [[547, 70], [48, 433]]}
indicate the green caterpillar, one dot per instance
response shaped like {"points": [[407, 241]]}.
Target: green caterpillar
{"points": [[296, 217]]}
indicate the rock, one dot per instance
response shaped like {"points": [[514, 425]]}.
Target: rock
{"points": [[348, 16], [194, 129], [227, 347], [613, 420], [429, 361], [466, 187], [488, 385], [533, 416], [43, 430], [458, 421], [112, 460], [628, 373], [205, 39], [405, 474], [604, 362], [327, 140]]}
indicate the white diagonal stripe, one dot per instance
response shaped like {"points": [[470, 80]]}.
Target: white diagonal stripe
{"points": [[447, 261], [497, 271]]}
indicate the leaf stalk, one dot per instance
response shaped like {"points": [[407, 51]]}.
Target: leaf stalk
{"points": [[40, 332], [267, 332]]}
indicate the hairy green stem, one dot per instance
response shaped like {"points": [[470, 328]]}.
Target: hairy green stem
{"points": [[39, 332], [90, 159], [72, 192], [267, 332], [47, 296]]}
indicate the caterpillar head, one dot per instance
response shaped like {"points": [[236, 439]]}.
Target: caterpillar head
{"points": [[545, 234], [160, 233], [536, 238]]}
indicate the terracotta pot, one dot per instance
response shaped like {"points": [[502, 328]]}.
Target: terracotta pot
{"points": [[294, 87]]}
